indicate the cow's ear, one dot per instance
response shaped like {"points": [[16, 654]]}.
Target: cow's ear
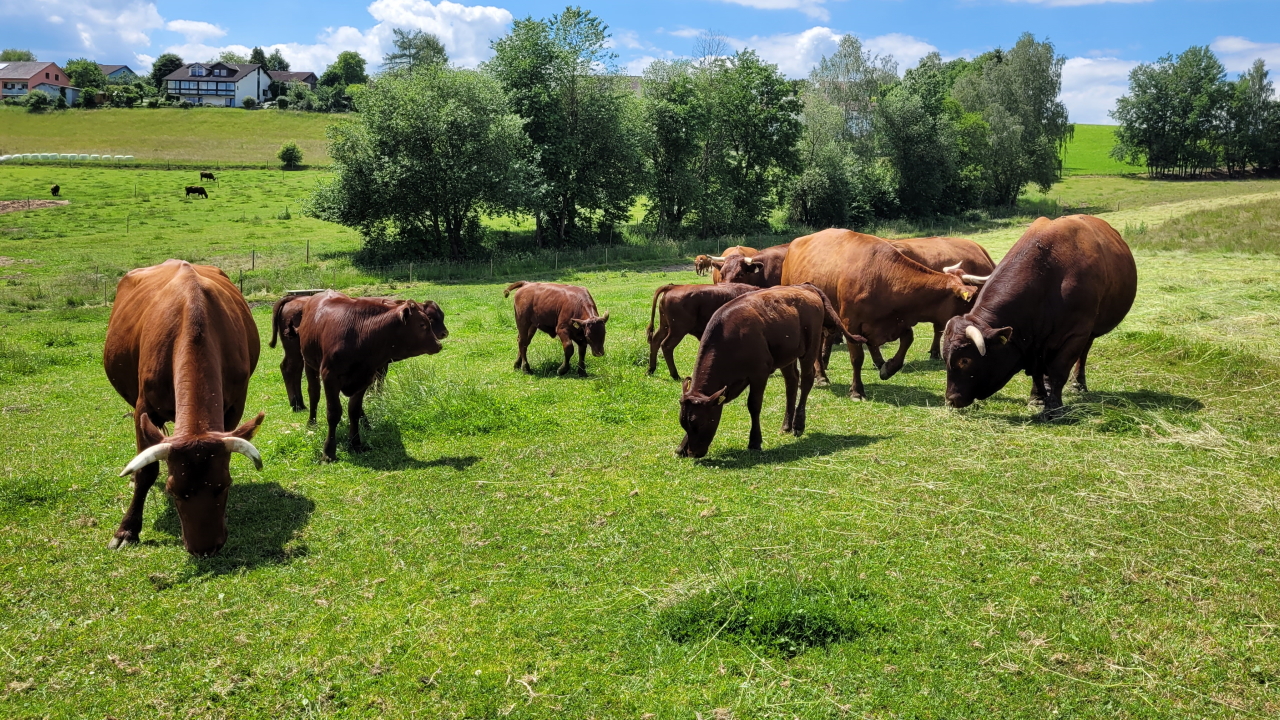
{"points": [[577, 324], [152, 434], [405, 310], [248, 428], [684, 386], [1003, 335], [966, 292], [718, 397]]}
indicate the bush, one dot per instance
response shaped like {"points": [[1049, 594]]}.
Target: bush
{"points": [[249, 103], [282, 103], [38, 101], [152, 102], [60, 103], [291, 155]]}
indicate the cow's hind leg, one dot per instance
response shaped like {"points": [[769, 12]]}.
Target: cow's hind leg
{"points": [[669, 345], [313, 392], [656, 340], [935, 350], [755, 401], [856, 390], [291, 368], [1080, 384], [824, 360], [790, 376], [524, 337], [355, 413], [895, 363], [333, 412]]}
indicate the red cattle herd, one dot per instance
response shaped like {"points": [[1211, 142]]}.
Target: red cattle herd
{"points": [[182, 344]]}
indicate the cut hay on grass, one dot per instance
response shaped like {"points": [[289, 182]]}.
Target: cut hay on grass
{"points": [[8, 206]]}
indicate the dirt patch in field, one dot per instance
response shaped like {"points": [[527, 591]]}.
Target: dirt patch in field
{"points": [[7, 206]]}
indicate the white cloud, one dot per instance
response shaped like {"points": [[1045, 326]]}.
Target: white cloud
{"points": [[1238, 53], [812, 8], [1090, 87], [796, 54], [907, 50], [95, 27], [195, 31], [1075, 3]]}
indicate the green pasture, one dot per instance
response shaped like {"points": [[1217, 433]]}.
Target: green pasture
{"points": [[196, 136], [1089, 153], [528, 546]]}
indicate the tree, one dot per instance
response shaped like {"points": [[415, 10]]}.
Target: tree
{"points": [[230, 57], [853, 80], [428, 152], [348, 69], [84, 73], [414, 49], [276, 61], [675, 122], [1247, 132], [16, 55], [258, 56], [583, 124], [164, 65], [290, 154]]}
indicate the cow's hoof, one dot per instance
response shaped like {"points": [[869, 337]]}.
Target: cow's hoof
{"points": [[123, 539], [857, 397], [299, 408], [755, 447], [582, 372], [821, 382], [563, 371], [357, 447], [1079, 387], [935, 356]]}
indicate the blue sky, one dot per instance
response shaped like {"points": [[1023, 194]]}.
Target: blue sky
{"points": [[1102, 39]]}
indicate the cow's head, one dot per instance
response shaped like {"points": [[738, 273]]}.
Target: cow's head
{"points": [[589, 331], [700, 418], [421, 325], [980, 359], [199, 477], [742, 269]]}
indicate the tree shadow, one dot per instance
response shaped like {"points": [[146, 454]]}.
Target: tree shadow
{"points": [[807, 446], [262, 519]]}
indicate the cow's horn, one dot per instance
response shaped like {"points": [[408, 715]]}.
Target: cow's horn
{"points": [[155, 453], [716, 258], [979, 342], [245, 448], [978, 280], [604, 317], [747, 261], [951, 268]]}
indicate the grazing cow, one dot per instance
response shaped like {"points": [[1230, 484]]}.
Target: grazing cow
{"points": [[1064, 283], [197, 190], [764, 269], [55, 190], [704, 263], [348, 342], [943, 254], [878, 292], [206, 175], [567, 312], [181, 345], [746, 340], [685, 310]]}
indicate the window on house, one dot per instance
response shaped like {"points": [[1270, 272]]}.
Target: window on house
{"points": [[46, 76]]}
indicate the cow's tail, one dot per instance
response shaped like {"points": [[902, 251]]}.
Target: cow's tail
{"points": [[277, 316], [833, 317], [654, 308], [514, 286]]}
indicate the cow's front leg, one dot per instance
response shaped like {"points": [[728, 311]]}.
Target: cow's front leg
{"points": [[333, 409], [755, 401], [355, 413], [790, 376], [1036, 398], [889, 369], [131, 523]]}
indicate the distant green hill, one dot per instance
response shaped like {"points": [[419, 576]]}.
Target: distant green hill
{"points": [[1087, 154]]}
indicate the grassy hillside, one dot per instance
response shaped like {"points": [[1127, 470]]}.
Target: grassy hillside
{"points": [[199, 135], [1087, 153]]}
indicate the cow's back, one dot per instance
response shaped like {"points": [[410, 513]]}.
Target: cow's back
{"points": [[764, 330], [841, 263], [937, 253], [175, 310]]}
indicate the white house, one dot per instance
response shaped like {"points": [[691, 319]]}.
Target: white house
{"points": [[219, 83]]}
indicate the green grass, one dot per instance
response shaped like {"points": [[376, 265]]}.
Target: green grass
{"points": [[1251, 228], [1088, 153], [208, 137], [528, 546]]}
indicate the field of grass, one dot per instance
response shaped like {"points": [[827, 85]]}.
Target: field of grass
{"points": [[1252, 228], [1088, 153], [519, 546], [198, 136]]}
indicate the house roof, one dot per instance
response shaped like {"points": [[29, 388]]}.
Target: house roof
{"points": [[108, 69], [29, 70], [238, 71], [286, 76]]}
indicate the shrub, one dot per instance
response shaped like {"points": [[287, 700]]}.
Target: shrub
{"points": [[249, 103], [282, 103], [291, 155], [38, 101], [60, 103]]}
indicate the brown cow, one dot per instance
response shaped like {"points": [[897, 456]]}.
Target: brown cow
{"points": [[877, 291], [206, 175], [685, 310], [197, 190], [945, 254], [712, 263], [764, 269], [745, 342], [1063, 284], [346, 342], [181, 345], [567, 312]]}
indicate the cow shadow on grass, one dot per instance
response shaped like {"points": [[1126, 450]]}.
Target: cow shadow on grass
{"points": [[1124, 412], [383, 448], [809, 445], [263, 520]]}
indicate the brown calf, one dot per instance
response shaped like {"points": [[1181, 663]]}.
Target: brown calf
{"points": [[764, 269], [685, 310], [181, 345], [346, 342], [712, 263], [567, 312], [745, 341]]}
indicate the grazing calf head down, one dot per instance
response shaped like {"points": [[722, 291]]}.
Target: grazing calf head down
{"points": [[700, 419], [589, 331]]}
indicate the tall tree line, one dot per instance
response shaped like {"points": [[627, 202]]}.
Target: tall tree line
{"points": [[1183, 117]]}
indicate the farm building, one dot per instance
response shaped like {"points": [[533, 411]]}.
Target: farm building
{"points": [[19, 78], [284, 77], [219, 83], [118, 73]]}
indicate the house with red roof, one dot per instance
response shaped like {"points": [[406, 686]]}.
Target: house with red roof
{"points": [[19, 78]]}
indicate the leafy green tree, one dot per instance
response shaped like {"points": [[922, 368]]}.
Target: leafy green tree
{"points": [[853, 80], [164, 65], [820, 196], [84, 73], [1248, 128], [1016, 92], [414, 50], [258, 56], [230, 56], [290, 154], [584, 125], [348, 69], [16, 55], [429, 151], [675, 123], [276, 61]]}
